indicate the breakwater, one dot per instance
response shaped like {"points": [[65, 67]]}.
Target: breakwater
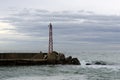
{"points": [[36, 59]]}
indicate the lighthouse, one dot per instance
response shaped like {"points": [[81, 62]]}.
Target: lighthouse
{"points": [[50, 47]]}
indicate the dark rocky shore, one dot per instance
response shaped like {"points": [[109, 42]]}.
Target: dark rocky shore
{"points": [[36, 59]]}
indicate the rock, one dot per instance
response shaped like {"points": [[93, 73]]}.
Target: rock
{"points": [[52, 58], [96, 63], [75, 61], [68, 60], [100, 63], [88, 64], [55, 52], [61, 56]]}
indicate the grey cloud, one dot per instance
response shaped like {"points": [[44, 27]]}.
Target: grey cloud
{"points": [[44, 15], [67, 26]]}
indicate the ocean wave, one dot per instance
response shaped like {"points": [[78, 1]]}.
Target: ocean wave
{"points": [[60, 77]]}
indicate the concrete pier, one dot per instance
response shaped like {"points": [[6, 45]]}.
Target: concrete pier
{"points": [[36, 59]]}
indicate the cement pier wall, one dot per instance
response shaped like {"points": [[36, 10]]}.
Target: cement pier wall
{"points": [[21, 55], [36, 59]]}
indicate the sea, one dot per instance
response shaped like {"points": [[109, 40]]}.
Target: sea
{"points": [[110, 71]]}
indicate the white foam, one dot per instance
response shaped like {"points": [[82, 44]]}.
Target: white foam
{"points": [[59, 77], [83, 62], [110, 67]]}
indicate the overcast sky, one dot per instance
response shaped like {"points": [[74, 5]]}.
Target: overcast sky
{"points": [[78, 25]]}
